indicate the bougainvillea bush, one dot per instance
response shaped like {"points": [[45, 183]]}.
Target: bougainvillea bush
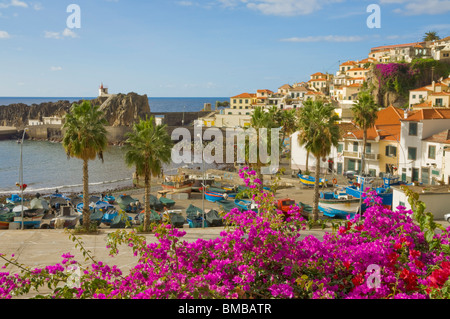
{"points": [[263, 254]]}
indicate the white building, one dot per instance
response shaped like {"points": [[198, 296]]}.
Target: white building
{"points": [[417, 130], [435, 198]]}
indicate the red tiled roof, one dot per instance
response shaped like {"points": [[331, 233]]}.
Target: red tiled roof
{"points": [[442, 137], [396, 46], [424, 88], [428, 114], [244, 95]]}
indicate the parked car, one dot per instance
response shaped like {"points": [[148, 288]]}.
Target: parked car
{"points": [[447, 217]]}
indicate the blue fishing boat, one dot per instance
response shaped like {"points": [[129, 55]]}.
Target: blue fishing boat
{"points": [[14, 199], [385, 193], [109, 198], [246, 204], [129, 204], [194, 217], [308, 180], [213, 196], [338, 206]]}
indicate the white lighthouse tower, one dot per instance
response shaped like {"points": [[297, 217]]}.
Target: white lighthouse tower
{"points": [[102, 91]]}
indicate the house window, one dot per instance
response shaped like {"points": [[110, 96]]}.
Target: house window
{"points": [[246, 101], [432, 152], [413, 129], [340, 148], [412, 153], [234, 101], [391, 151], [368, 148], [439, 102], [414, 96], [355, 146], [240, 101]]}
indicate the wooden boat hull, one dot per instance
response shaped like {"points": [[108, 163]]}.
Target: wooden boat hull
{"points": [[339, 208], [310, 180], [178, 189], [4, 225], [214, 197]]}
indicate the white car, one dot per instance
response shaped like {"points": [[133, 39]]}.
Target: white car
{"points": [[447, 217]]}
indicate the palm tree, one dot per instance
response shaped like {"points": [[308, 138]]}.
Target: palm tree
{"points": [[431, 36], [365, 113], [318, 133], [148, 147], [260, 119], [85, 138]]}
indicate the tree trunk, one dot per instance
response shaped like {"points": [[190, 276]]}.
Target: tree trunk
{"points": [[307, 161], [364, 151], [147, 202], [316, 190], [86, 209]]}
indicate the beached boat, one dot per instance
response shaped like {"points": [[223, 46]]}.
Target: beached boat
{"points": [[155, 217], [68, 218], [198, 183], [385, 193], [119, 221], [167, 202], [213, 196], [213, 219], [246, 204], [110, 199], [6, 217], [31, 218], [175, 187], [14, 199], [174, 217], [129, 204], [227, 205], [308, 180], [338, 206], [194, 217]]}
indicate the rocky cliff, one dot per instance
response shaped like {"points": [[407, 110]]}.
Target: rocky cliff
{"points": [[119, 110], [124, 109]]}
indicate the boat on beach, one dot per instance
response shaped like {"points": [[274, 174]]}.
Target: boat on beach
{"points": [[338, 206], [308, 180], [129, 204], [213, 196]]}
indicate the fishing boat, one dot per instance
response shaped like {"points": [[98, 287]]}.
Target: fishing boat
{"points": [[195, 217], [338, 206], [31, 218], [119, 221], [227, 205], [358, 189], [213, 196], [68, 218], [199, 181], [6, 217], [167, 202], [95, 217], [14, 199], [174, 217], [110, 199], [155, 217], [129, 204], [308, 180], [246, 204], [178, 184], [213, 219]]}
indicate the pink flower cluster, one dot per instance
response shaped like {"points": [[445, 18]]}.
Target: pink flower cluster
{"points": [[261, 257]]}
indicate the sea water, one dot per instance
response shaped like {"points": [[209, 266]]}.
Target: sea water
{"points": [[47, 168]]}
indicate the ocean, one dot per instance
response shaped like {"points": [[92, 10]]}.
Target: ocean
{"points": [[47, 168], [157, 104]]}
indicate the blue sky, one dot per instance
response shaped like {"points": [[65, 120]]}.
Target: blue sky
{"points": [[194, 48]]}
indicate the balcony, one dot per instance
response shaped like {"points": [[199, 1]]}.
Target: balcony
{"points": [[368, 156]]}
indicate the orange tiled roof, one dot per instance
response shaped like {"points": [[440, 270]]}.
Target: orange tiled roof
{"points": [[318, 73], [396, 46], [424, 88], [442, 137], [424, 104], [265, 91], [428, 114], [357, 69], [244, 95]]}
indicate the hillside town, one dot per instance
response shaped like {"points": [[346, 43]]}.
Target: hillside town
{"points": [[411, 141]]}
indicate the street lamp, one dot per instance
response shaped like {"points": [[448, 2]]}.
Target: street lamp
{"points": [[21, 172]]}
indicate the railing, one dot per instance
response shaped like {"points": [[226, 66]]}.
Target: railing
{"points": [[368, 156]]}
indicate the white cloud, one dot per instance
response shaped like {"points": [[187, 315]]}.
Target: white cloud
{"points": [[56, 68], [67, 33], [280, 7], [185, 3], [326, 38], [420, 7], [4, 35], [13, 3]]}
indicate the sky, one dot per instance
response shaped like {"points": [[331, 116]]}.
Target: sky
{"points": [[194, 48]]}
